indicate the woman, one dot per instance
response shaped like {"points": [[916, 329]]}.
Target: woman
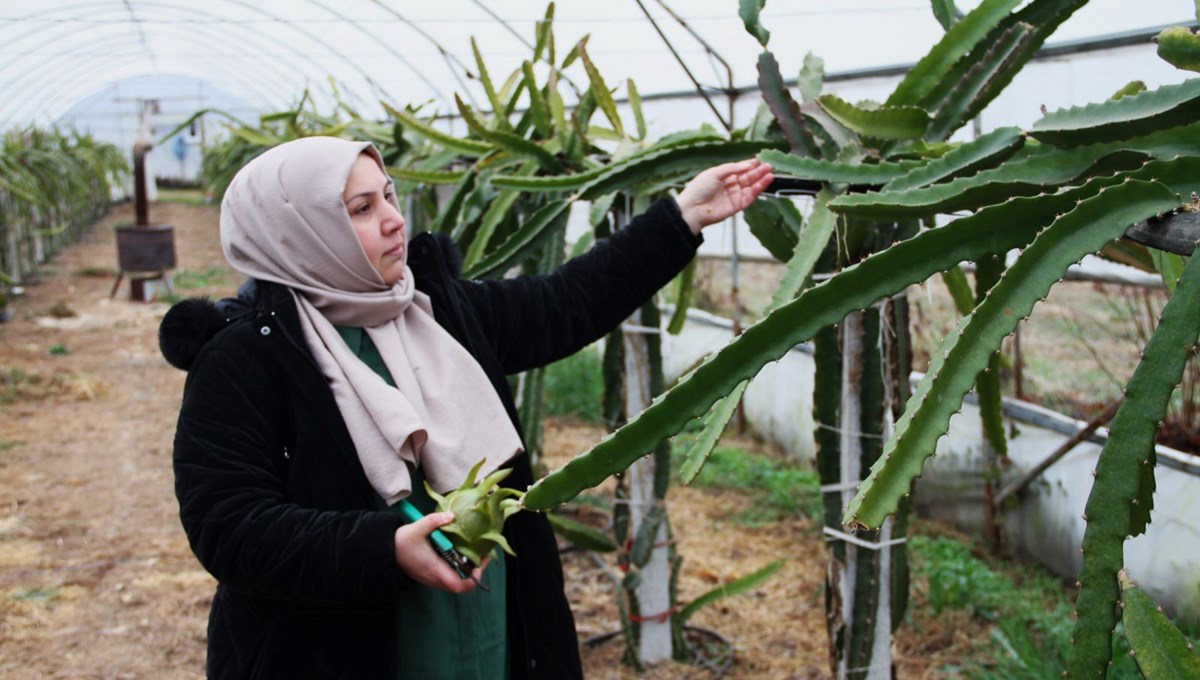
{"points": [[355, 365]]}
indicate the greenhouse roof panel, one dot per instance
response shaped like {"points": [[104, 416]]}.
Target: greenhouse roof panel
{"points": [[267, 52]]}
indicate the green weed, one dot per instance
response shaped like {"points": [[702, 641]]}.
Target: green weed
{"points": [[58, 349], [36, 595], [187, 279], [1032, 614], [779, 489], [574, 387]]}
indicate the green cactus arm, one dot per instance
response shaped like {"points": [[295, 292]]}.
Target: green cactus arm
{"points": [[1085, 229], [811, 242], [783, 107], [885, 122], [489, 89], [961, 39], [1119, 478], [600, 90], [448, 217], [428, 176], [714, 426], [688, 158], [811, 78], [497, 211], [1044, 15], [1116, 119], [635, 105], [539, 109], [791, 165], [1025, 177], [1160, 650], [1179, 47], [642, 547], [775, 229], [1006, 226], [741, 585], [576, 180], [468, 147], [979, 154], [546, 182], [580, 534], [980, 84], [749, 10], [959, 288], [509, 141], [988, 271], [944, 12], [532, 234]]}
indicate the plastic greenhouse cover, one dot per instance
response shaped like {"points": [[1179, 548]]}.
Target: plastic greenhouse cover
{"points": [[266, 52]]}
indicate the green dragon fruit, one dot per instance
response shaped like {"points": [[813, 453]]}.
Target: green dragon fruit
{"points": [[479, 513]]}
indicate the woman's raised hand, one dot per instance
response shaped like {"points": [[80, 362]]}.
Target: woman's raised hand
{"points": [[722, 191]]}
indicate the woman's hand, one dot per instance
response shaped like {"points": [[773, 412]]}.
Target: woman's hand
{"points": [[418, 561], [722, 191]]}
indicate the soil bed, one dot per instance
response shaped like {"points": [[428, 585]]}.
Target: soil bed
{"points": [[96, 577]]}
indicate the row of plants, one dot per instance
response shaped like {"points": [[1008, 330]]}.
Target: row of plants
{"points": [[881, 175], [53, 186], [1069, 186]]}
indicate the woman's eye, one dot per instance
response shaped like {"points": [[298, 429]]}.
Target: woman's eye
{"points": [[362, 209]]}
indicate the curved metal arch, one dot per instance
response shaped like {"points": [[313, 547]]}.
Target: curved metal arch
{"points": [[211, 32], [314, 38], [70, 66], [125, 70], [77, 80], [246, 89], [387, 46]]}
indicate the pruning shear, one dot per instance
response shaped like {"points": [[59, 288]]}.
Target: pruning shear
{"points": [[442, 546]]}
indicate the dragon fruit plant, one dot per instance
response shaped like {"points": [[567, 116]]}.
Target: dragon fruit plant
{"points": [[479, 513]]}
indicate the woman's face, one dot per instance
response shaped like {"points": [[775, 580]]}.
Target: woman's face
{"points": [[379, 226]]}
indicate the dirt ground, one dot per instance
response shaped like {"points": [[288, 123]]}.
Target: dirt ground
{"points": [[96, 577]]}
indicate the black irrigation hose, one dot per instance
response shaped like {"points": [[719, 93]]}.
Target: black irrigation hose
{"points": [[718, 668], [692, 632]]}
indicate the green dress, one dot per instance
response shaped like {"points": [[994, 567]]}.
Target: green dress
{"points": [[443, 635]]}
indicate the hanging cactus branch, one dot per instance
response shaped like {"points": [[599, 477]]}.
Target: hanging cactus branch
{"points": [[879, 122], [1115, 119], [952, 371], [1009, 225], [1035, 173], [1160, 650], [1119, 504], [982, 153]]}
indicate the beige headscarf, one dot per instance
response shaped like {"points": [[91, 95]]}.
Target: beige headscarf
{"points": [[283, 220]]}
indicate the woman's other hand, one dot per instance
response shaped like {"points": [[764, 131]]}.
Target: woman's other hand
{"points": [[722, 191], [418, 561]]}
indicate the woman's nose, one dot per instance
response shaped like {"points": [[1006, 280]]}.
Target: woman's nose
{"points": [[393, 219]]}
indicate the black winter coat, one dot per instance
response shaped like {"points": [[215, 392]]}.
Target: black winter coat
{"points": [[276, 505]]}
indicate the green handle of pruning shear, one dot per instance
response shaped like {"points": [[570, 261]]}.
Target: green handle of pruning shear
{"points": [[441, 545], [412, 514]]}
